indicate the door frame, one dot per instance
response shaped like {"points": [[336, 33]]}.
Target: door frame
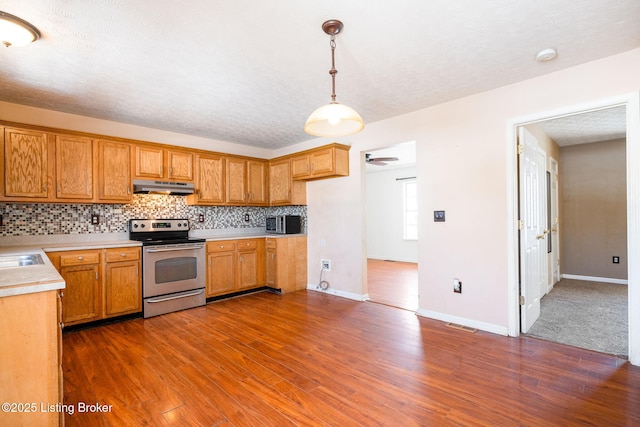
{"points": [[632, 103]]}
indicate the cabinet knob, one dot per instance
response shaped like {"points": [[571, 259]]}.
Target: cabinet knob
{"points": [[80, 258], [221, 246], [123, 255]]}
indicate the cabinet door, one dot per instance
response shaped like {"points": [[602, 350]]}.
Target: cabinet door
{"points": [[257, 182], [221, 278], [149, 162], [272, 266], [122, 288], [322, 162], [248, 269], [25, 168], [114, 171], [74, 167], [300, 167], [210, 179], [82, 299], [236, 186], [180, 165], [280, 182]]}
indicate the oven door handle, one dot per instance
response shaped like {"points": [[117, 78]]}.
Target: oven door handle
{"points": [[190, 294], [182, 248]]}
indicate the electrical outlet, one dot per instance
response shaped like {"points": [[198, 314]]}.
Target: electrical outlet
{"points": [[325, 264], [246, 217], [616, 260], [457, 286], [95, 219], [201, 218], [1, 221]]}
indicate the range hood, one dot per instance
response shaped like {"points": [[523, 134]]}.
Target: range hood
{"points": [[162, 187]]}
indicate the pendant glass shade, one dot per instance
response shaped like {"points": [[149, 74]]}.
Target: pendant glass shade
{"points": [[15, 31], [333, 120]]}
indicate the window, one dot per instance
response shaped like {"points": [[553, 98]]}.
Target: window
{"points": [[410, 208]]}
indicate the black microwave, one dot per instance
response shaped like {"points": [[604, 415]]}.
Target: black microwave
{"points": [[284, 224]]}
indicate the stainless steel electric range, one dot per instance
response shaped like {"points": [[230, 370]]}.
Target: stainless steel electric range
{"points": [[173, 265]]}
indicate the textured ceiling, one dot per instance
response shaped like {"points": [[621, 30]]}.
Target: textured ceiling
{"points": [[593, 126], [250, 71]]}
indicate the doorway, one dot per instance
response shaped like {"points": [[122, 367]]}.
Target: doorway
{"points": [[391, 226], [632, 115]]}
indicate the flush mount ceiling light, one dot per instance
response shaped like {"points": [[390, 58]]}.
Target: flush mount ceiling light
{"points": [[15, 31], [546, 55], [333, 119]]}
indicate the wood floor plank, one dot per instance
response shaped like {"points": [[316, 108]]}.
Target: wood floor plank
{"points": [[309, 358]]}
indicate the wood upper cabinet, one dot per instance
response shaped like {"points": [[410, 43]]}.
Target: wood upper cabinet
{"points": [[159, 163], [123, 281], [114, 171], [246, 182], [257, 182], [74, 167], [210, 181], [323, 162], [283, 190], [25, 163], [180, 165]]}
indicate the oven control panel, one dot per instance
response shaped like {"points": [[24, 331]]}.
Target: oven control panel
{"points": [[160, 225]]}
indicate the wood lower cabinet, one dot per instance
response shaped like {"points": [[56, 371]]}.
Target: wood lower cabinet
{"points": [[251, 269], [82, 296], [93, 295], [122, 285], [30, 358], [286, 263], [234, 265], [221, 267]]}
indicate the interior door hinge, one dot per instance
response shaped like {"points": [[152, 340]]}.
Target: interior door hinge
{"points": [[521, 299], [520, 224], [520, 148]]}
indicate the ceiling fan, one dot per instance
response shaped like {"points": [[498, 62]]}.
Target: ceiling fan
{"points": [[378, 161]]}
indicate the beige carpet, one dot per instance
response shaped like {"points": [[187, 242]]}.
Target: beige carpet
{"points": [[591, 315]]}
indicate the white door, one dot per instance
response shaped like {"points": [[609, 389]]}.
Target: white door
{"points": [[531, 229], [544, 277], [554, 226]]}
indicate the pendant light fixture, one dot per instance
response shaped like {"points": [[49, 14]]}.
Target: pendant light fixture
{"points": [[333, 119], [15, 31]]}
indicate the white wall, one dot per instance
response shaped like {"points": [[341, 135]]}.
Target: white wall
{"points": [[385, 216], [462, 168]]}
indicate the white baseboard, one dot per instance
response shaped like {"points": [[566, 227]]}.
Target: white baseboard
{"points": [[596, 279], [487, 327], [349, 295]]}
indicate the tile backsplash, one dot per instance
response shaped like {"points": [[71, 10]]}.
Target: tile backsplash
{"points": [[22, 219]]}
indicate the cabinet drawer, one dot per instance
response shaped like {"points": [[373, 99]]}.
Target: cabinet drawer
{"points": [[247, 244], [271, 243], [122, 254], [221, 246], [79, 258]]}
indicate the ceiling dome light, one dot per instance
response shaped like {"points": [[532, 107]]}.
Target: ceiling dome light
{"points": [[15, 31], [546, 55], [333, 119]]}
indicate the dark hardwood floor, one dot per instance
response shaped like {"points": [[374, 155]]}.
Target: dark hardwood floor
{"points": [[393, 283], [309, 358]]}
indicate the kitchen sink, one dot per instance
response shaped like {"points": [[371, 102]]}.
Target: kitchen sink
{"points": [[20, 260]]}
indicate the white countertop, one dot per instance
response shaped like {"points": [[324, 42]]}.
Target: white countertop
{"points": [[44, 277]]}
